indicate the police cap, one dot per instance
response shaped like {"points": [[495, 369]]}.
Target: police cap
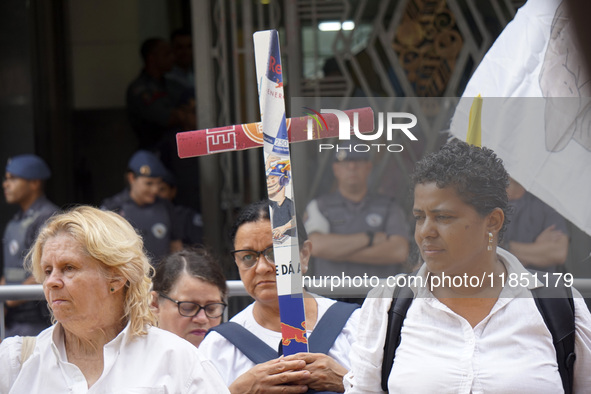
{"points": [[28, 166], [345, 151], [145, 163]]}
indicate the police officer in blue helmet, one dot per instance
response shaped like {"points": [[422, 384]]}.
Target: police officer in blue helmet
{"points": [[150, 215], [23, 185]]}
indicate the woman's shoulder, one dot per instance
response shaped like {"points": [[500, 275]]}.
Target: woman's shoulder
{"points": [[10, 362], [322, 301], [156, 334], [215, 340], [158, 339], [384, 289], [377, 302], [10, 349], [15, 350], [324, 304], [244, 315], [167, 351]]}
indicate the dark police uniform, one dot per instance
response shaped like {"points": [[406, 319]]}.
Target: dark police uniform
{"points": [[188, 221], [189, 225], [19, 236], [154, 222], [374, 213], [528, 218]]}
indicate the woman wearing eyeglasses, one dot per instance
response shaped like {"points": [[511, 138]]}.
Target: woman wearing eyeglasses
{"points": [[253, 243], [188, 294]]}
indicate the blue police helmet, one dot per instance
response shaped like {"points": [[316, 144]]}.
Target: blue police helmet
{"points": [[145, 163], [28, 167]]}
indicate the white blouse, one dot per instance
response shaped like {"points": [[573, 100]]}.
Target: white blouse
{"points": [[159, 362], [509, 351], [231, 362]]}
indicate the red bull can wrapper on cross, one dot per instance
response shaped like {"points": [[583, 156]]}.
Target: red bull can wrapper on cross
{"points": [[280, 190]]}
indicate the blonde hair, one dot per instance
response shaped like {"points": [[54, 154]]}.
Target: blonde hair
{"points": [[110, 239]]}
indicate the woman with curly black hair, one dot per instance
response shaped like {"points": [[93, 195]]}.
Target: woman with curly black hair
{"points": [[471, 324]]}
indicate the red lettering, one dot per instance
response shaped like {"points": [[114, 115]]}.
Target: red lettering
{"points": [[273, 66], [274, 94]]}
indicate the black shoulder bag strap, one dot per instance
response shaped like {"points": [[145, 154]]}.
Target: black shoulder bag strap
{"points": [[330, 326], [557, 307], [245, 341], [401, 301]]}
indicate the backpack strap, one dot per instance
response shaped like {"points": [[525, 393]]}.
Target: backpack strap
{"points": [[557, 307], [27, 348], [321, 340], [555, 304], [328, 329], [401, 300], [330, 326], [245, 341]]}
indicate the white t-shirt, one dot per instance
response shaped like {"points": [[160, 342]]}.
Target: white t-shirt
{"points": [[159, 362], [231, 362], [509, 351]]}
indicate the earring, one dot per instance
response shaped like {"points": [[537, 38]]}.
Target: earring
{"points": [[490, 242], [112, 289]]}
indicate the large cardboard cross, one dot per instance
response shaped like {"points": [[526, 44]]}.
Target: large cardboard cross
{"points": [[275, 133]]}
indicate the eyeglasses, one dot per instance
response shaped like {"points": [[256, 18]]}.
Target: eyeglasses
{"points": [[191, 309], [248, 258]]}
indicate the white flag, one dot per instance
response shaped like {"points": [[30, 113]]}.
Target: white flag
{"points": [[536, 112]]}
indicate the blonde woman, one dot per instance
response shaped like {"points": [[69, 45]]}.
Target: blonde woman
{"points": [[96, 280]]}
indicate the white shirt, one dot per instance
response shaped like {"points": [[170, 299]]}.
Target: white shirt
{"points": [[231, 362], [509, 351], [159, 362]]}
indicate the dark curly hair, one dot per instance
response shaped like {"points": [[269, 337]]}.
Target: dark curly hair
{"points": [[477, 174]]}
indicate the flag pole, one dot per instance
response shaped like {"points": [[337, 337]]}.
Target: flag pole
{"points": [[474, 136]]}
